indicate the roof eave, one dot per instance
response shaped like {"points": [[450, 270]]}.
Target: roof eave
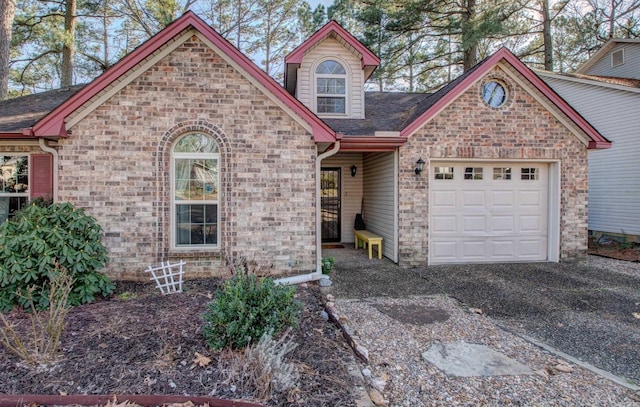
{"points": [[367, 58], [599, 145], [371, 144]]}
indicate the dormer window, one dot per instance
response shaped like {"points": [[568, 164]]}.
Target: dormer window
{"points": [[331, 88]]}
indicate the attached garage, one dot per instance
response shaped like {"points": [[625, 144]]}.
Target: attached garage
{"points": [[491, 212]]}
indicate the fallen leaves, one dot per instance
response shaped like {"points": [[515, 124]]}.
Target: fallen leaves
{"points": [[201, 360]]}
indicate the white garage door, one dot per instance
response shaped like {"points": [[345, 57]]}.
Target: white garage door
{"points": [[488, 212]]}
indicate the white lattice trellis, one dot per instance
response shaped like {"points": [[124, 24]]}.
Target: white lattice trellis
{"points": [[168, 277]]}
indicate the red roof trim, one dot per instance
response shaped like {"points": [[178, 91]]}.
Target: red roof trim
{"points": [[53, 124], [371, 144], [16, 135], [597, 140], [368, 57]]}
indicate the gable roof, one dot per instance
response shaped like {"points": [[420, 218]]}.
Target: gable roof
{"points": [[25, 111], [53, 124], [368, 60], [604, 50], [405, 113], [441, 99]]}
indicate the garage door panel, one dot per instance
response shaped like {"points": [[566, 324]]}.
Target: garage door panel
{"points": [[472, 250], [473, 199], [474, 224], [533, 249], [502, 198], [489, 220], [504, 224], [444, 198], [444, 224], [445, 251], [532, 223], [503, 249], [531, 198]]}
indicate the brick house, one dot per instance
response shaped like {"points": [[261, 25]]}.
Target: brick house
{"points": [[186, 150]]}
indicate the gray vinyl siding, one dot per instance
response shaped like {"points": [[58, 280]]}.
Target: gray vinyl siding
{"points": [[630, 68], [351, 191], [614, 181], [380, 199]]}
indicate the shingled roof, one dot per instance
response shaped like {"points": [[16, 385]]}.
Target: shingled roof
{"points": [[384, 111], [25, 111]]}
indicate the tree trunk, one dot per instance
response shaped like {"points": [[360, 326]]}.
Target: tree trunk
{"points": [[7, 12], [612, 20], [469, 42], [546, 36], [68, 49]]}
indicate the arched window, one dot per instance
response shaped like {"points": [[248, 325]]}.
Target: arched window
{"points": [[195, 182], [331, 88]]}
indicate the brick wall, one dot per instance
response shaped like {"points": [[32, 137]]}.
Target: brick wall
{"points": [[116, 166], [468, 129]]}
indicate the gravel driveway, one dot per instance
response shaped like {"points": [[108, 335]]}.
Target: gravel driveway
{"points": [[590, 312]]}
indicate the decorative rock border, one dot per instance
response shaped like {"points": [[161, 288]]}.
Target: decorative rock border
{"points": [[375, 394]]}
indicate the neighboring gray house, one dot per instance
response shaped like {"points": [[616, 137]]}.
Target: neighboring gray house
{"points": [[606, 91], [618, 58]]}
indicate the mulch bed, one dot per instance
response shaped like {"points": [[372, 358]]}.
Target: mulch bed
{"points": [[615, 249], [141, 342]]}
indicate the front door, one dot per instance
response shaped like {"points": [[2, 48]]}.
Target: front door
{"points": [[330, 204]]}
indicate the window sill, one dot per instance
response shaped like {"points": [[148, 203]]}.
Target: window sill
{"points": [[189, 252]]}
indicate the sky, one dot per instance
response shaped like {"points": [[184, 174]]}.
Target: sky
{"points": [[314, 3]]}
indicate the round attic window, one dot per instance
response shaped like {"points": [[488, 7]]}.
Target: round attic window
{"points": [[494, 93]]}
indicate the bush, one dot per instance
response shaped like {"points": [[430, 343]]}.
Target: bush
{"points": [[245, 308], [262, 369], [40, 238], [39, 344]]}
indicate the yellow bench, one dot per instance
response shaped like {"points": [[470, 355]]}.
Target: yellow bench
{"points": [[368, 239]]}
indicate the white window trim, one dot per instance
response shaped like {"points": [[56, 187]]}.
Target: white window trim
{"points": [[27, 194], [174, 202], [19, 194], [347, 86]]}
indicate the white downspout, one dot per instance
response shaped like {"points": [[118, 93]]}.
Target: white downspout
{"points": [[44, 147], [316, 275]]}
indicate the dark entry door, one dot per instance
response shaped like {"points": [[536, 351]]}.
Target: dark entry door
{"points": [[330, 204]]}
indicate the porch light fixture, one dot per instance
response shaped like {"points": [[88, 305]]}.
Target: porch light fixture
{"points": [[419, 166], [354, 169]]}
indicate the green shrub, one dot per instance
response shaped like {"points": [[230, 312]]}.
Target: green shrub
{"points": [[40, 237], [327, 264], [245, 308]]}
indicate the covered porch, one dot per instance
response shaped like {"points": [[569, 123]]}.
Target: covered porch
{"points": [[360, 183]]}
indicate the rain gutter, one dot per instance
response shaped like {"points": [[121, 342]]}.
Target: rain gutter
{"points": [[316, 275]]}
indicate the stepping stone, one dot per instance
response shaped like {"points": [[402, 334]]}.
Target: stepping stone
{"points": [[467, 359]]}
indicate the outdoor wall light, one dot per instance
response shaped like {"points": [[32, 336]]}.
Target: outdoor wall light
{"points": [[354, 169], [419, 166]]}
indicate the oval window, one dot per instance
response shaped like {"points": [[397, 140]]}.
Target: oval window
{"points": [[494, 94]]}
